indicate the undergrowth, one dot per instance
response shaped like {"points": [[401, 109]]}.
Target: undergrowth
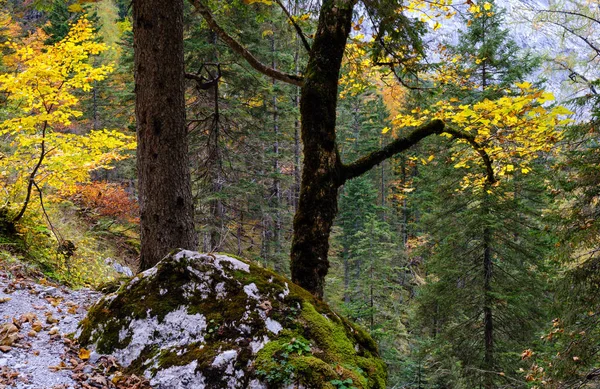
{"points": [[70, 245]]}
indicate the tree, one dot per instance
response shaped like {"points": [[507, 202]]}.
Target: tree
{"points": [[41, 107], [166, 206], [323, 171]]}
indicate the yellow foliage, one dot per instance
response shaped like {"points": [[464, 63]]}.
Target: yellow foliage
{"points": [[42, 105], [513, 129]]}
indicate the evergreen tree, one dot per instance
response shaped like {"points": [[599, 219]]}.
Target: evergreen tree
{"points": [[484, 260]]}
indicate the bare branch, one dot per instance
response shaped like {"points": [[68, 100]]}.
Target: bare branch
{"points": [[204, 83], [296, 26], [577, 35], [572, 13], [241, 50]]}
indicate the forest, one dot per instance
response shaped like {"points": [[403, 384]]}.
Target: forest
{"points": [[428, 168]]}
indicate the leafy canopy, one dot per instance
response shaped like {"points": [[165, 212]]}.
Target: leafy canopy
{"points": [[41, 88]]}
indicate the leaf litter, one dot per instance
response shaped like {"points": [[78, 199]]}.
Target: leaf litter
{"points": [[36, 351]]}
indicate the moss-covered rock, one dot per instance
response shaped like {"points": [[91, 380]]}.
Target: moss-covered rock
{"points": [[214, 321]]}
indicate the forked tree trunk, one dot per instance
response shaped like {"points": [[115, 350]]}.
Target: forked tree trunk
{"points": [[321, 172], [165, 195]]}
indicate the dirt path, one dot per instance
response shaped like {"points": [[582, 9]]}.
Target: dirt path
{"points": [[35, 351]]}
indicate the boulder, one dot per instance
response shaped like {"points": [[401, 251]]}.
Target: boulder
{"points": [[215, 321]]}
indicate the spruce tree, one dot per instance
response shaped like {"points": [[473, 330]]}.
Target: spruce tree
{"points": [[484, 260]]}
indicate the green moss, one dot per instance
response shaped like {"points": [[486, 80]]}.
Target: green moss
{"points": [[329, 333], [338, 349]]}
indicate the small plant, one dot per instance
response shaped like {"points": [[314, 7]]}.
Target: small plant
{"points": [[345, 384], [282, 375], [297, 346], [212, 328], [284, 370]]}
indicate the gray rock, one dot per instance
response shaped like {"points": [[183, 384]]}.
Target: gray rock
{"points": [[214, 321]]}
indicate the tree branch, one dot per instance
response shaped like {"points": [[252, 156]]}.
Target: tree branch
{"points": [[487, 161], [31, 180], [296, 26], [203, 83], [241, 50], [366, 163], [569, 13]]}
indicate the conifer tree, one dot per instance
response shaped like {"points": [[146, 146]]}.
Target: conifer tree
{"points": [[479, 304]]}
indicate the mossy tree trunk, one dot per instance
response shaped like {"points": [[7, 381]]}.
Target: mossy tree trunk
{"points": [[323, 173], [163, 168]]}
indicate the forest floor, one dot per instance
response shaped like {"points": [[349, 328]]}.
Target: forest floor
{"points": [[37, 320]]}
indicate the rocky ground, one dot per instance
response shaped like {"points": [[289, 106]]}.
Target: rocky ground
{"points": [[36, 351]]}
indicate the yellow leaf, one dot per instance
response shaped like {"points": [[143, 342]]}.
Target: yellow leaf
{"points": [[487, 6], [385, 130], [267, 2], [75, 7], [84, 354]]}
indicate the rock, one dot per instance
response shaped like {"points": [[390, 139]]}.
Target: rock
{"points": [[213, 321], [126, 271], [94, 357]]}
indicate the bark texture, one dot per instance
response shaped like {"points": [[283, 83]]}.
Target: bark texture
{"points": [[321, 172], [165, 195]]}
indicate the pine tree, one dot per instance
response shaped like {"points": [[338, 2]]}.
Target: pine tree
{"points": [[479, 306]]}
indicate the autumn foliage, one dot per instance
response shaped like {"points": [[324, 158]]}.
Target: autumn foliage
{"points": [[108, 200], [45, 149]]}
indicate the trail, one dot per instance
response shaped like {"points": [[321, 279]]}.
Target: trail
{"points": [[36, 352]]}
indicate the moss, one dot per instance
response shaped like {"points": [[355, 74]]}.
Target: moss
{"points": [[329, 333], [313, 371], [339, 350]]}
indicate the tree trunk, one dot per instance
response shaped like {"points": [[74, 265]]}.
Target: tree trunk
{"points": [[321, 175], [488, 322], [165, 195]]}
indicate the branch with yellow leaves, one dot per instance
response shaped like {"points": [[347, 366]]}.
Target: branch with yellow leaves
{"points": [[241, 50], [296, 26], [366, 163]]}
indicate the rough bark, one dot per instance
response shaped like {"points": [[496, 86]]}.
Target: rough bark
{"points": [[322, 173], [163, 168]]}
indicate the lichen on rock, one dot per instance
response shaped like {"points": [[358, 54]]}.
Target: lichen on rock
{"points": [[215, 321]]}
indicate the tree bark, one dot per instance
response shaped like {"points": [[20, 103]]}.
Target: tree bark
{"points": [[322, 173], [165, 194]]}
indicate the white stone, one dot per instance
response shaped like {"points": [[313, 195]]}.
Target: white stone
{"points": [[285, 292], [179, 377], [224, 358], [178, 328], [257, 344], [237, 264], [256, 384], [252, 291], [273, 325]]}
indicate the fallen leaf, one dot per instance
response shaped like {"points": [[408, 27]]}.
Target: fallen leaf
{"points": [[9, 333], [5, 349], [84, 354], [4, 299], [37, 326]]}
